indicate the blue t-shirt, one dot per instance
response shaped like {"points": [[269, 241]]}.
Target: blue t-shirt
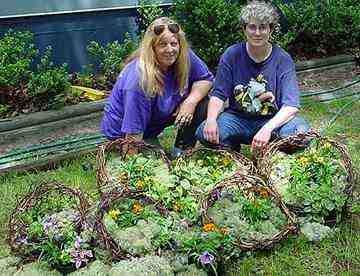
{"points": [[130, 110], [236, 67]]}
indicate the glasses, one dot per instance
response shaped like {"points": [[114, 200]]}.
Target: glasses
{"points": [[173, 27], [263, 28]]}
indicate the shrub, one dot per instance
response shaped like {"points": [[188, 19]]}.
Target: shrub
{"points": [[48, 78], [17, 52], [319, 24], [147, 13], [110, 57], [210, 25]]}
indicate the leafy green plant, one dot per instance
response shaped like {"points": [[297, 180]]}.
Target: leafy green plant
{"points": [[317, 24], [214, 23], [48, 78], [316, 182], [147, 13], [17, 51], [54, 234], [110, 59], [4, 108]]}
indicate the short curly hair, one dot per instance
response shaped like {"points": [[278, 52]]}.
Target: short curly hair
{"points": [[259, 10]]}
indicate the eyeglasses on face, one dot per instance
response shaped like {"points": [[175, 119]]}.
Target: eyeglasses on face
{"points": [[263, 28], [173, 27]]}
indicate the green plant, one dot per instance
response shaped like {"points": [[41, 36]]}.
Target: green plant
{"points": [[17, 52], [147, 13], [110, 58], [214, 23], [4, 108], [315, 182], [317, 24], [53, 232], [48, 78]]}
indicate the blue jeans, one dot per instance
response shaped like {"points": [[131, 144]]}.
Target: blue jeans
{"points": [[235, 129]]}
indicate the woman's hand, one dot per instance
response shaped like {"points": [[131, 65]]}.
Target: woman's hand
{"points": [[266, 97], [211, 131], [185, 114], [261, 139]]}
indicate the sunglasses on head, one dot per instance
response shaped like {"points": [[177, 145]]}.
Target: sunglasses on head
{"points": [[173, 27]]}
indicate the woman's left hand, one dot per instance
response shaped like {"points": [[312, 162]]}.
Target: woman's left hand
{"points": [[261, 139], [185, 114]]}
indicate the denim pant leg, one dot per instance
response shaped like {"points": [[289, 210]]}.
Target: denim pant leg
{"points": [[233, 130], [294, 126]]}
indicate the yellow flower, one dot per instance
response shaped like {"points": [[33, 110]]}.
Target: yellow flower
{"points": [[224, 230], [176, 207], [303, 160], [114, 214], [327, 145], [226, 161], [122, 177], [140, 184], [209, 227], [320, 160], [137, 208]]}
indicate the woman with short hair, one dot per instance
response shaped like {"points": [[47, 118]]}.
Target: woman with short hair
{"points": [[163, 83], [259, 80]]}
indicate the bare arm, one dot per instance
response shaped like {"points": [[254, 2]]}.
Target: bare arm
{"points": [[262, 137], [211, 131]]}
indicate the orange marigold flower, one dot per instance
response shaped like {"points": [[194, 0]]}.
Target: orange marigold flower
{"points": [[209, 227], [264, 193], [137, 208]]}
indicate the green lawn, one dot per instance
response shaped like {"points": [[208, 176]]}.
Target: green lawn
{"points": [[338, 255]]}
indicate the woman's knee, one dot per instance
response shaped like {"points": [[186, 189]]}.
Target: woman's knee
{"points": [[294, 126]]}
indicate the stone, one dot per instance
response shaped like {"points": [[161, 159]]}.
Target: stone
{"points": [[146, 266], [315, 231], [36, 269], [96, 268], [8, 265]]}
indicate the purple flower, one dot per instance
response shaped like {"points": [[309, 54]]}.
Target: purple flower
{"points": [[78, 242], [80, 256], [215, 195], [206, 258], [22, 240], [50, 224]]}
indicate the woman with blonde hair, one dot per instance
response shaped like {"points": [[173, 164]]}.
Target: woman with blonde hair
{"points": [[163, 83]]}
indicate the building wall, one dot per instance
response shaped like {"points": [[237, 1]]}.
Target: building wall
{"points": [[70, 26]]}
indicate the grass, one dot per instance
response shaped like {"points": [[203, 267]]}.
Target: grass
{"points": [[338, 255]]}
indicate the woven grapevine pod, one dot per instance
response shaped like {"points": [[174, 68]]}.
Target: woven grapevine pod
{"points": [[107, 201], [17, 227], [251, 185], [300, 141], [123, 147]]}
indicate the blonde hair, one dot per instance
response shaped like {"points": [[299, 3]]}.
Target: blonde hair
{"points": [[151, 78]]}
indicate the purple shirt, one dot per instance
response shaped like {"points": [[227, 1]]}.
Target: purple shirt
{"points": [[236, 67], [130, 110]]}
